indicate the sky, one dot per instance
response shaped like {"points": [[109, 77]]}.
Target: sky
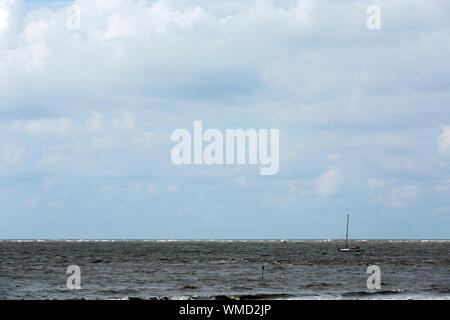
{"points": [[87, 108]]}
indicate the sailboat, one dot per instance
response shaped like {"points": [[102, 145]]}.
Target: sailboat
{"points": [[347, 247]]}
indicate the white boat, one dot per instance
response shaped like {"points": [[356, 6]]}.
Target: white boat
{"points": [[347, 247]]}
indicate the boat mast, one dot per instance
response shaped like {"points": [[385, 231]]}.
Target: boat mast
{"points": [[346, 234]]}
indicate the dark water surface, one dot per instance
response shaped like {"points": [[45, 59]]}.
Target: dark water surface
{"points": [[293, 269]]}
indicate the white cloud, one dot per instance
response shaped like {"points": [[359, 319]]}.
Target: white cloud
{"points": [[13, 153], [399, 197], [375, 183], [145, 138], [95, 121], [126, 121], [55, 204], [328, 182], [171, 48], [35, 31], [173, 188], [444, 141], [333, 156], [32, 202], [11, 14], [3, 18], [293, 189], [98, 143], [48, 183], [51, 160], [290, 184], [61, 126], [36, 53], [140, 191], [152, 189], [119, 27], [242, 181]]}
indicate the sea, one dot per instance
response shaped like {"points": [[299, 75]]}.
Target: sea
{"points": [[223, 269]]}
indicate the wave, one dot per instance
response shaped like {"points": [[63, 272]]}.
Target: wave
{"points": [[260, 296], [319, 285], [370, 293], [188, 287]]}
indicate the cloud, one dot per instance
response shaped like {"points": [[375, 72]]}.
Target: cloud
{"points": [[32, 202], [51, 160], [54, 204], [61, 126], [13, 153], [95, 121], [375, 183], [443, 141], [145, 138], [400, 197], [241, 181], [95, 107], [11, 14], [152, 189], [333, 156], [118, 27], [98, 143], [328, 182], [170, 49], [125, 122], [139, 191]]}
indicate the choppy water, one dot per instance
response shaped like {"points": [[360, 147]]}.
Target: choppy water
{"points": [[220, 269]]}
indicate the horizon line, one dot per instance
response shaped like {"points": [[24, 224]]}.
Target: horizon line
{"points": [[219, 239]]}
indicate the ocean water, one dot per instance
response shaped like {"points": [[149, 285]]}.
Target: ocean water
{"points": [[293, 269]]}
